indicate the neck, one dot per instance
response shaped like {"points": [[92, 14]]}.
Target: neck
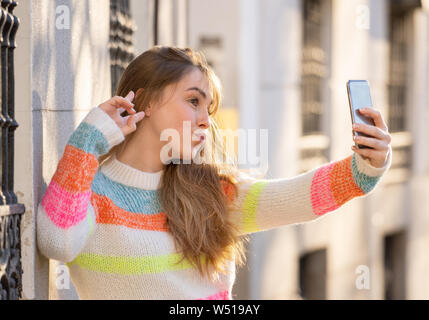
{"points": [[142, 152]]}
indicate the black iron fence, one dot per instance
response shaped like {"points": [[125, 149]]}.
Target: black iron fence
{"points": [[10, 210]]}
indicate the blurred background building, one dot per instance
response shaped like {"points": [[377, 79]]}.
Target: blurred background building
{"points": [[284, 65]]}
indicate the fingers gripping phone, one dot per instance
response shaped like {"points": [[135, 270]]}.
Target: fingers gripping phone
{"points": [[359, 97]]}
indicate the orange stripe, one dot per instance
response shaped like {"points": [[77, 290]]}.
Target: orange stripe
{"points": [[228, 189], [108, 213], [342, 183], [76, 170]]}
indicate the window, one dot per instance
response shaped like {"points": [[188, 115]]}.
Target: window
{"points": [[312, 275], [314, 73], [313, 67], [122, 28], [398, 71], [394, 266], [398, 88]]}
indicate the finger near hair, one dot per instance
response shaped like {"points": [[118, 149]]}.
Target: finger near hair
{"points": [[129, 126], [139, 116], [130, 120], [122, 102], [130, 96]]}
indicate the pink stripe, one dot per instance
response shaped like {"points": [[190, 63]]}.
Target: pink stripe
{"points": [[218, 296], [322, 199], [63, 208]]}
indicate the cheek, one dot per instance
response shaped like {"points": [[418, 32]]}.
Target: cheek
{"points": [[182, 118], [171, 118], [175, 118], [178, 113], [174, 124], [185, 113]]}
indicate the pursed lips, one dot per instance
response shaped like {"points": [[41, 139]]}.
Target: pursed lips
{"points": [[199, 137]]}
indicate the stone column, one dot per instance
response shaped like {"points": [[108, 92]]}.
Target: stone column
{"points": [[417, 262], [70, 75], [351, 56], [270, 50]]}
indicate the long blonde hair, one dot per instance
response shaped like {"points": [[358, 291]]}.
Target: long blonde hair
{"points": [[196, 198]]}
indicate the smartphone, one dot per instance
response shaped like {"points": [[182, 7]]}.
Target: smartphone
{"points": [[359, 97]]}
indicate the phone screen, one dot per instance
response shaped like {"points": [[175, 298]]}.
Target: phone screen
{"points": [[359, 97]]}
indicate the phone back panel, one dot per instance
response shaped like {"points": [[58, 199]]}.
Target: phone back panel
{"points": [[359, 97]]}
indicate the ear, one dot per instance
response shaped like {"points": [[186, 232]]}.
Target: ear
{"points": [[139, 91], [147, 110]]}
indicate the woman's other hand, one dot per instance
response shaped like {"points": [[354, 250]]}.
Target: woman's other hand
{"points": [[116, 105], [380, 138]]}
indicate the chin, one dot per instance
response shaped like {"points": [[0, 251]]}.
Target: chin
{"points": [[195, 155]]}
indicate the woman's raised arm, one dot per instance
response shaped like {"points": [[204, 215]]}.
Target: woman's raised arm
{"points": [[66, 216], [263, 204]]}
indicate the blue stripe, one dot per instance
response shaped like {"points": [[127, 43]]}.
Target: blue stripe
{"points": [[366, 183], [89, 139], [128, 198]]}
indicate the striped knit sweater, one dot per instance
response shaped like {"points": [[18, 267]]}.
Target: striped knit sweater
{"points": [[106, 222]]}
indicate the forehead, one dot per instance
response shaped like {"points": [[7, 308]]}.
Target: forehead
{"points": [[196, 79]]}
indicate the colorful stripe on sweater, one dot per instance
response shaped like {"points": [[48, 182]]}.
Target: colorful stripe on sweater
{"points": [[265, 204]]}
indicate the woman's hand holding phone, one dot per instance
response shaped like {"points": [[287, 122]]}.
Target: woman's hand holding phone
{"points": [[379, 141]]}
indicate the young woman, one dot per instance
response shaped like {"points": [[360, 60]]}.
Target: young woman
{"points": [[130, 225]]}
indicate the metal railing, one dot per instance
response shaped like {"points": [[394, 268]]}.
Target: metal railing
{"points": [[10, 210]]}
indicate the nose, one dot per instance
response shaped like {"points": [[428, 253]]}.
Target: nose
{"points": [[203, 120]]}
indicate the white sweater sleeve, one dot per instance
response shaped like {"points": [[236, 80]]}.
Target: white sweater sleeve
{"points": [[65, 215], [262, 204]]}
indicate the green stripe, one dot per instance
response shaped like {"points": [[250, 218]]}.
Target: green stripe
{"points": [[130, 265], [365, 183], [250, 205]]}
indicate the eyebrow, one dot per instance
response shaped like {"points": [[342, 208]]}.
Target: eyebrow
{"points": [[200, 91]]}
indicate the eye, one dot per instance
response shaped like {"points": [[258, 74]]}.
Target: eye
{"points": [[210, 111], [195, 99]]}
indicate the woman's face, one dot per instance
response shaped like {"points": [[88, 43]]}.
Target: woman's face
{"points": [[183, 117]]}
